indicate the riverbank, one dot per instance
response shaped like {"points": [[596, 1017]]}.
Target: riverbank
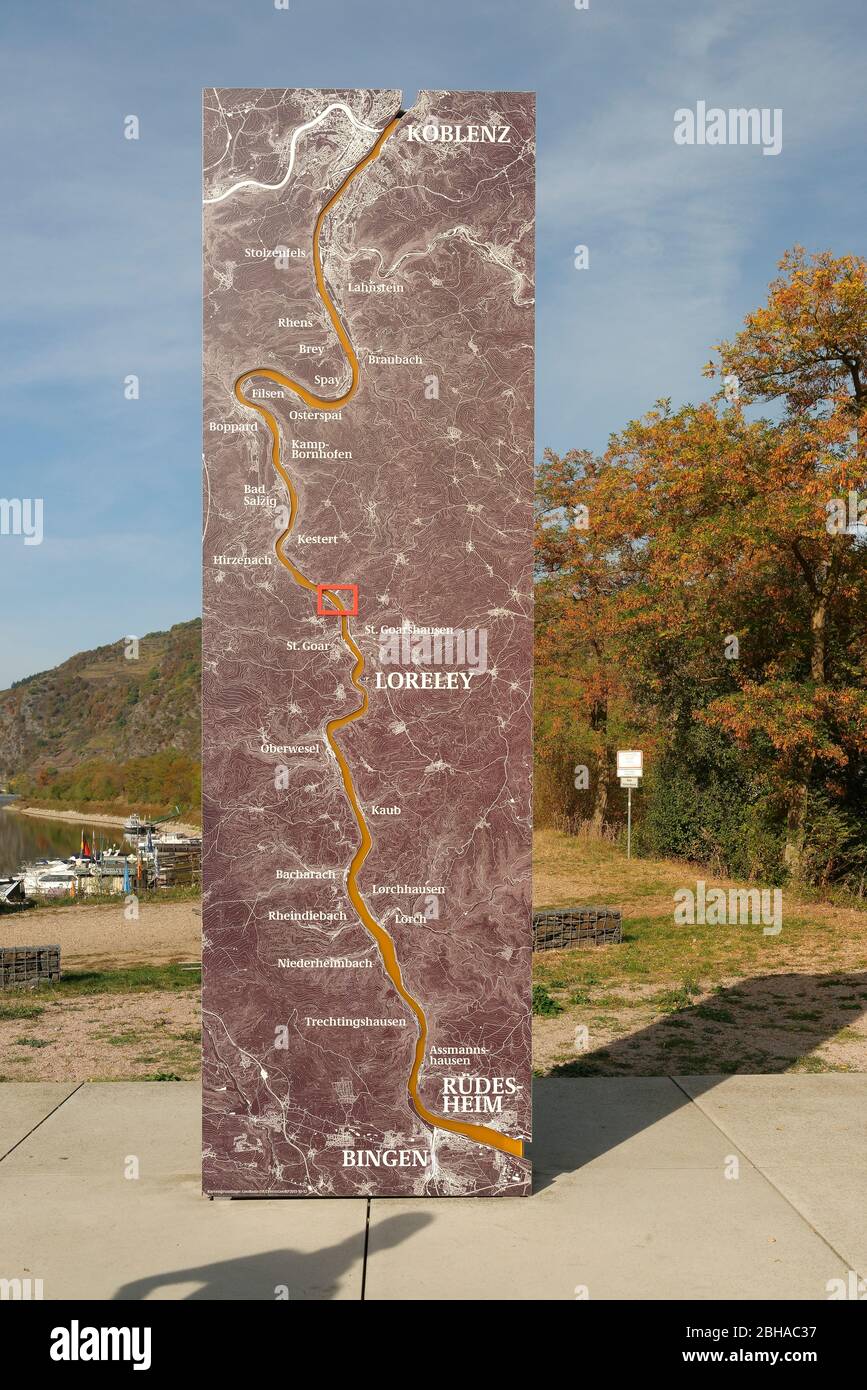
{"points": [[101, 937], [86, 818], [127, 1006]]}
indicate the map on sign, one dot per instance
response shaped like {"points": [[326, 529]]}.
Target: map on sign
{"points": [[368, 450]]}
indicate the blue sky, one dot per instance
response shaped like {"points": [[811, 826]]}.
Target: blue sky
{"points": [[101, 248]]}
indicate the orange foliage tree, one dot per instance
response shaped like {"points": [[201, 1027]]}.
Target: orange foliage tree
{"points": [[714, 575]]}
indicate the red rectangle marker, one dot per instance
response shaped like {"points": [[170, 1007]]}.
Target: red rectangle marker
{"points": [[323, 589]]}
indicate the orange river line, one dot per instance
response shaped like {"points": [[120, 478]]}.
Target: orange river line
{"points": [[480, 1133]]}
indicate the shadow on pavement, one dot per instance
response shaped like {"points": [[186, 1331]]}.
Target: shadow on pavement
{"points": [[314, 1275], [761, 1026]]}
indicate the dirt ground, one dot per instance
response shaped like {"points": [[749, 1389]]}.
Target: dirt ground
{"points": [[131, 1030], [105, 1037], [668, 1000], [692, 1000], [784, 1022], [100, 937]]}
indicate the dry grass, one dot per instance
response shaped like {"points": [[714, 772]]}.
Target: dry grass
{"points": [[140, 1023], [126, 1008], [693, 999], [670, 999]]}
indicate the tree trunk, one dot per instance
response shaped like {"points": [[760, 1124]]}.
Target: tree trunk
{"points": [[600, 800], [796, 823], [818, 620], [796, 819], [599, 725]]}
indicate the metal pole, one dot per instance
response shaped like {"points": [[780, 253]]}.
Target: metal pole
{"points": [[629, 823]]}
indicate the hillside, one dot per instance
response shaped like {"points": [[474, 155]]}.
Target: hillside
{"points": [[99, 708]]}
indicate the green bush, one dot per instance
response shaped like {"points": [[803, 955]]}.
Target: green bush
{"points": [[698, 803], [543, 1005], [834, 848]]}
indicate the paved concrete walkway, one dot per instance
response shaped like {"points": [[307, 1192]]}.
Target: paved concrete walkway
{"points": [[632, 1201]]}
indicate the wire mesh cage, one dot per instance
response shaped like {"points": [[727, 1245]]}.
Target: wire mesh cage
{"points": [[562, 928], [28, 965]]}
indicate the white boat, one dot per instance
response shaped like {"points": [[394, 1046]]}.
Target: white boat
{"points": [[56, 883], [136, 829], [12, 890], [32, 874]]}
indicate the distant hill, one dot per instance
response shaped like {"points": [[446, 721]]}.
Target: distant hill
{"points": [[99, 712]]}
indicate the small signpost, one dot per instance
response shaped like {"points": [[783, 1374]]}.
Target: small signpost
{"points": [[630, 770]]}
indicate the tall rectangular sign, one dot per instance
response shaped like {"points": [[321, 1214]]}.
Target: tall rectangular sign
{"points": [[368, 451]]}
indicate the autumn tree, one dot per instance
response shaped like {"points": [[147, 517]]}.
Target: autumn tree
{"points": [[582, 569], [807, 348], [710, 583]]}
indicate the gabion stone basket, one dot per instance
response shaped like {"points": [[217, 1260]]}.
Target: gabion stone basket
{"points": [[28, 965], [565, 927]]}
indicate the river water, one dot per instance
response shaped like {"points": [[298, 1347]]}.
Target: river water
{"points": [[30, 837]]}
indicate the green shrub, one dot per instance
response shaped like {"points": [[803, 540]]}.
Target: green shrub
{"points": [[543, 1005]]}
